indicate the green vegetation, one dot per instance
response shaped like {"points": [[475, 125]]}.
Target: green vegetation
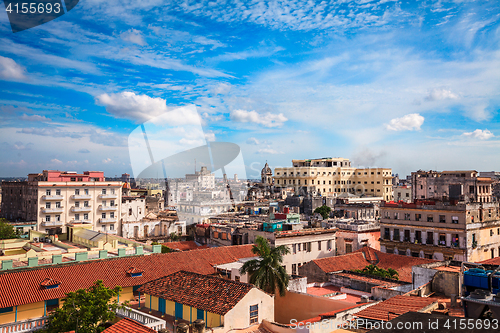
{"points": [[267, 272], [84, 311], [7, 231], [174, 237], [324, 211], [372, 270]]}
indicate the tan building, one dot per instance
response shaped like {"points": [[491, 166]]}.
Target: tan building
{"points": [[451, 185], [56, 199], [435, 230], [334, 176]]}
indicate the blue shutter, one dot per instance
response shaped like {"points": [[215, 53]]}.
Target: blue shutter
{"points": [[200, 314], [162, 305], [178, 310]]}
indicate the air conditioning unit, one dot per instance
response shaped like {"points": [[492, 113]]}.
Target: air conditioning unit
{"points": [[42, 240], [35, 239], [48, 240]]}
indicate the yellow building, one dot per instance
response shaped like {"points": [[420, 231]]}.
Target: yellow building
{"points": [[334, 176], [219, 302]]}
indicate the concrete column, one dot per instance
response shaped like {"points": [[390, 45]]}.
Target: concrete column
{"points": [[448, 240]]}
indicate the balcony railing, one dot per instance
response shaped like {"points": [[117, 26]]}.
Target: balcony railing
{"points": [[108, 196], [108, 220], [107, 208], [29, 325], [52, 223], [52, 197], [143, 318], [87, 221], [52, 210], [75, 209], [81, 197]]}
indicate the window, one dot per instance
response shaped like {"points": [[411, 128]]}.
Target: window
{"points": [[309, 247], [294, 268], [254, 314], [80, 179], [77, 191], [5, 310], [454, 219], [47, 192], [103, 228], [103, 215], [348, 248], [103, 191], [87, 191], [58, 192], [77, 204], [77, 217], [112, 227], [85, 216], [129, 211], [298, 247], [386, 233], [104, 203], [430, 218], [73, 179], [58, 218], [329, 245], [294, 247], [112, 215], [112, 191], [319, 245], [47, 218], [85, 204], [47, 205], [396, 235], [430, 237], [442, 219], [407, 216]]}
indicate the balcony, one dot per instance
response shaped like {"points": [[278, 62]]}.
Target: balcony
{"points": [[52, 223], [108, 196], [30, 325], [81, 197], [108, 220], [141, 317], [52, 197], [52, 210], [87, 221], [107, 208], [111, 232], [80, 209]]}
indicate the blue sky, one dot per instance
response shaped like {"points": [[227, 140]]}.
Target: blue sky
{"points": [[398, 84]]}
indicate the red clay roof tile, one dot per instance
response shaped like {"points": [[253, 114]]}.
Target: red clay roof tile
{"points": [[22, 286], [394, 307], [204, 292], [127, 325]]}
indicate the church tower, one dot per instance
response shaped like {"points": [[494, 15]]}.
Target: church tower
{"points": [[266, 175]]}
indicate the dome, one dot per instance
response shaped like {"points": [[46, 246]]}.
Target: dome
{"points": [[266, 170]]}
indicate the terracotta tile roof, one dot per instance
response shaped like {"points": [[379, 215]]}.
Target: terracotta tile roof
{"points": [[204, 292], [133, 270], [184, 246], [127, 325], [365, 256], [22, 286], [394, 307], [492, 261], [48, 282]]}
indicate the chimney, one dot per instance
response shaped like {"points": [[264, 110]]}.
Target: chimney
{"points": [[199, 326]]}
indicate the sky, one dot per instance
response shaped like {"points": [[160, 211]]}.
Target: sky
{"points": [[406, 85]]}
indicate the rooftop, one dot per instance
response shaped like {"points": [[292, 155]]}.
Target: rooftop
{"points": [[204, 292], [127, 325], [394, 307], [22, 286]]}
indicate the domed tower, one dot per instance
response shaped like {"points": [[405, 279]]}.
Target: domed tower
{"points": [[266, 175]]}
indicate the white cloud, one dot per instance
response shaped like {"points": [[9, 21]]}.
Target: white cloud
{"points": [[253, 141], [131, 106], [479, 134], [10, 70], [410, 122], [267, 119], [269, 151], [440, 94], [133, 36], [107, 160], [34, 117], [55, 161]]}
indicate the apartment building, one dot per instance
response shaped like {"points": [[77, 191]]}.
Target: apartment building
{"points": [[454, 185], [56, 199], [442, 231], [334, 177]]}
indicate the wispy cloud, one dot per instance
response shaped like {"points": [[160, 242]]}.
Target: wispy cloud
{"points": [[133, 36], [10, 70], [267, 119]]}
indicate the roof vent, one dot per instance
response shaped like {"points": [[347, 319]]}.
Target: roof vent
{"points": [[48, 283], [135, 272]]}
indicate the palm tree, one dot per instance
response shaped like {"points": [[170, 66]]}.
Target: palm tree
{"points": [[267, 272]]}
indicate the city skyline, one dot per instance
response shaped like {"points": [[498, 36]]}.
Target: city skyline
{"points": [[388, 84]]}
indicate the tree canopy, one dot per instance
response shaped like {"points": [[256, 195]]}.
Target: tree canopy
{"points": [[267, 272], [7, 231], [84, 310], [373, 270], [324, 211]]}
